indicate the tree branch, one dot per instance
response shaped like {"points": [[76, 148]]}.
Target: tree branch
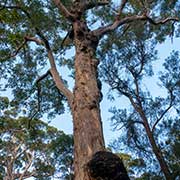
{"points": [[126, 125], [64, 10], [56, 77], [91, 4], [54, 72], [18, 49], [123, 3], [164, 112], [34, 39], [18, 8], [26, 39], [30, 159], [38, 96], [39, 87], [163, 21], [119, 22]]}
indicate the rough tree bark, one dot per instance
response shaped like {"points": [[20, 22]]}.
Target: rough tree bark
{"points": [[88, 135], [84, 100]]}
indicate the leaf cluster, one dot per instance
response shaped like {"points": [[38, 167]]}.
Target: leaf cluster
{"points": [[47, 150]]}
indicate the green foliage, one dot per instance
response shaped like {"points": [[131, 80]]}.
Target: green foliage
{"points": [[21, 67], [4, 102], [128, 59], [47, 150], [126, 66], [30, 61], [133, 165]]}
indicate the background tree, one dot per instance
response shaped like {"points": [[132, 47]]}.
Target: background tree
{"points": [[150, 121], [31, 53], [42, 152]]}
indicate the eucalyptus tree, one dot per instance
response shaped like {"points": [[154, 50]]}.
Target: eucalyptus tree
{"points": [[42, 152], [32, 50], [149, 120]]}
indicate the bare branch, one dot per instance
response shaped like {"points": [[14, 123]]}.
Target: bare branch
{"points": [[64, 10], [34, 39], [38, 96], [119, 22], [39, 88], [54, 72], [163, 21], [164, 112], [43, 76]]}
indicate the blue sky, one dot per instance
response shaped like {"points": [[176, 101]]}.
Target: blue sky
{"points": [[64, 122]]}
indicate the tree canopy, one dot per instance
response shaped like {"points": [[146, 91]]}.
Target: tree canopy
{"points": [[40, 38], [24, 58], [149, 120], [41, 152]]}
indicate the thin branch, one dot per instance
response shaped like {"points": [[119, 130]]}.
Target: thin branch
{"points": [[54, 72], [126, 125], [164, 112], [91, 4], [42, 77], [126, 27], [37, 83], [56, 77], [18, 49], [64, 10], [31, 118], [119, 22], [163, 21], [30, 159], [26, 39], [135, 78], [39, 87], [18, 8], [123, 3], [34, 39], [18, 155]]}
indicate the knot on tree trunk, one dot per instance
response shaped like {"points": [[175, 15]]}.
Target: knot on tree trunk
{"points": [[106, 166]]}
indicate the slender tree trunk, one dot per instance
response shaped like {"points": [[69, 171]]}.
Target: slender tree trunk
{"points": [[156, 149], [88, 135]]}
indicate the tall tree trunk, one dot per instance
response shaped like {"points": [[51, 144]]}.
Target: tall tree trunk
{"points": [[88, 135], [91, 161]]}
